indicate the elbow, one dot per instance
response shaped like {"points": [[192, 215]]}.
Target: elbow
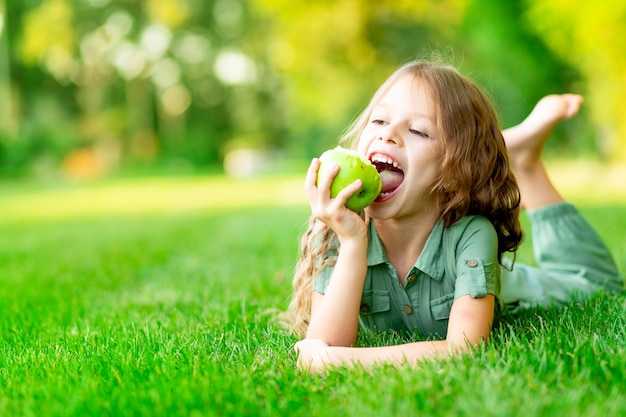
{"points": [[313, 355]]}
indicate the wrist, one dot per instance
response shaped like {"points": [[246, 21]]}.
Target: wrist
{"points": [[357, 236], [353, 243]]}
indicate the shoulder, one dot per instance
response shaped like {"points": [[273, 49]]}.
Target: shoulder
{"points": [[470, 228], [474, 220]]}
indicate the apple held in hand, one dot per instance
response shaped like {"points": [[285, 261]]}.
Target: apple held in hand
{"points": [[351, 168]]}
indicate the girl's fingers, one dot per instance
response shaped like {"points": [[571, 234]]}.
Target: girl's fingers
{"points": [[348, 192], [311, 174], [332, 211], [315, 186], [324, 181]]}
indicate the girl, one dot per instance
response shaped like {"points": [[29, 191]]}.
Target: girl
{"points": [[426, 256]]}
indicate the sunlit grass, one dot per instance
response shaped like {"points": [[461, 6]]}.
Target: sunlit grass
{"points": [[148, 196]]}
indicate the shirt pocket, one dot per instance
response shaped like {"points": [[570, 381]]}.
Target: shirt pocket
{"points": [[440, 307], [375, 310]]}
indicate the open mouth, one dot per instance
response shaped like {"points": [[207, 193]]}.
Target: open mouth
{"points": [[391, 175]]}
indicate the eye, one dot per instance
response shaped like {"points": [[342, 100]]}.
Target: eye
{"points": [[378, 121], [419, 133]]}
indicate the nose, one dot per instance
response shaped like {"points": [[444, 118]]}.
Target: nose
{"points": [[389, 135]]}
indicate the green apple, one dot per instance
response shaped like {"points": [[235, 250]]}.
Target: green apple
{"points": [[351, 168]]}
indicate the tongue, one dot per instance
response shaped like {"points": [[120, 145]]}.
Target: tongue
{"points": [[391, 180]]}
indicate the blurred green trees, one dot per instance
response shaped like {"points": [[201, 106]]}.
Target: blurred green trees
{"points": [[591, 37], [92, 86]]}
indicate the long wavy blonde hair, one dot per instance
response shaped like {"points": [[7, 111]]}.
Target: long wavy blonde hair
{"points": [[475, 174]]}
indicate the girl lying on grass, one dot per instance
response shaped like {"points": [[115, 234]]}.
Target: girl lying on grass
{"points": [[427, 255]]}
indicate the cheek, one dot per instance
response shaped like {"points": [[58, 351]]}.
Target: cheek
{"points": [[363, 144], [431, 166], [430, 174]]}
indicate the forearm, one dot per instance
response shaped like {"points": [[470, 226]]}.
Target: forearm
{"points": [[335, 319], [394, 355], [397, 355]]}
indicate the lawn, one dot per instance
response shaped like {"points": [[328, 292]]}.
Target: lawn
{"points": [[158, 296]]}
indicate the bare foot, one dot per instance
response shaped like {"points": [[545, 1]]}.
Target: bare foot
{"points": [[525, 141]]}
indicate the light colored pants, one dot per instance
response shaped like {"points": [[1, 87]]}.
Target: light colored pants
{"points": [[573, 262]]}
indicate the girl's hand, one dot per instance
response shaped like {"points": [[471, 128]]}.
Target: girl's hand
{"points": [[311, 354], [333, 211]]}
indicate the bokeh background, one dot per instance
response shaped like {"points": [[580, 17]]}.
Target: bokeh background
{"points": [[96, 88]]}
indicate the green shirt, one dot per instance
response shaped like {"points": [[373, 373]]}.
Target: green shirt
{"points": [[456, 261]]}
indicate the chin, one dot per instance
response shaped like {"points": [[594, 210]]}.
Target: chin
{"points": [[376, 212]]}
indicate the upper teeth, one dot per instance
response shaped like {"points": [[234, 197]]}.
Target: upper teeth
{"points": [[385, 160]]}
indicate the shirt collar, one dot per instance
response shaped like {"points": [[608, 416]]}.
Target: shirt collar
{"points": [[431, 261]]}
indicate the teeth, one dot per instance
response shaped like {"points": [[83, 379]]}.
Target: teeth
{"points": [[385, 160]]}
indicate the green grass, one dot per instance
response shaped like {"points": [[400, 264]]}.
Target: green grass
{"points": [[157, 297]]}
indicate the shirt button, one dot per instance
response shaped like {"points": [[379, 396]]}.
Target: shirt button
{"points": [[411, 278], [408, 309], [365, 308], [472, 263]]}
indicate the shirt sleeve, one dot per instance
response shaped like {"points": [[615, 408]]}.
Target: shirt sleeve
{"points": [[477, 266], [325, 264], [321, 283]]}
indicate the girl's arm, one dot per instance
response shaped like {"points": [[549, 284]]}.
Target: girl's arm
{"points": [[469, 324], [334, 316]]}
